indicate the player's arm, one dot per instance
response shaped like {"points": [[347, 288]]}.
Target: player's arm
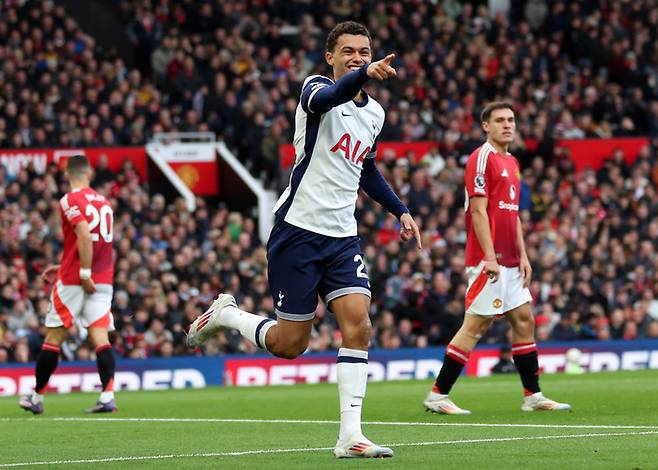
{"points": [[375, 186], [85, 254], [321, 94], [478, 207], [50, 273], [524, 266]]}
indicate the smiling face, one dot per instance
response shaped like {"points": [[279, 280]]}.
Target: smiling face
{"points": [[500, 126], [351, 52]]}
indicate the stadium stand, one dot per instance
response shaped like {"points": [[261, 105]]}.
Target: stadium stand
{"points": [[236, 70]]}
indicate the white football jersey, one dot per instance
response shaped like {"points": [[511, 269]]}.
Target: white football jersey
{"points": [[330, 148]]}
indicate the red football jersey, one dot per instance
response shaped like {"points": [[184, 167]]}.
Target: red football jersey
{"points": [[496, 177], [76, 206]]}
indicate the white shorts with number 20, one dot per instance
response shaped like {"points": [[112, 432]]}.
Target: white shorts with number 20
{"points": [[484, 297]]}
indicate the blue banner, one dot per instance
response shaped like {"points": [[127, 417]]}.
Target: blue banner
{"points": [[262, 369]]}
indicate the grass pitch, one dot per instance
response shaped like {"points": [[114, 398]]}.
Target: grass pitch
{"points": [[614, 425]]}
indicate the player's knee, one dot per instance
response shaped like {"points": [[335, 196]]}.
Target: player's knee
{"points": [[525, 326], [365, 332], [358, 335], [477, 331], [290, 350], [56, 336]]}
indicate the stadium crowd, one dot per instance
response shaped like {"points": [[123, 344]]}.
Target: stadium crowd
{"points": [[591, 238], [572, 69], [236, 68]]}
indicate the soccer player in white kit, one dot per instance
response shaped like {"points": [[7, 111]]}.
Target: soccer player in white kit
{"points": [[497, 266], [314, 248]]}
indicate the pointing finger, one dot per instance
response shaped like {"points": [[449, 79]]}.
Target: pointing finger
{"points": [[419, 244], [388, 59]]}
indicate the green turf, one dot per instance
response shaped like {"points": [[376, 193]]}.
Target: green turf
{"points": [[623, 398]]}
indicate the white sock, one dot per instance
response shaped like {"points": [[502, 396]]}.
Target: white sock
{"points": [[248, 324], [37, 397], [352, 377], [106, 397]]}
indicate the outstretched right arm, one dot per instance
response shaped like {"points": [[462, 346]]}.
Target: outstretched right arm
{"points": [[320, 94]]}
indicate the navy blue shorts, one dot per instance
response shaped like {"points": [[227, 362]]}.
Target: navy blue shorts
{"points": [[303, 264]]}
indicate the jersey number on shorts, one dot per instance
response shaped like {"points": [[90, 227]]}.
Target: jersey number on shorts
{"points": [[360, 269], [102, 220]]}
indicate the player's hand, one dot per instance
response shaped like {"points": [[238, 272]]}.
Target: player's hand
{"points": [[381, 70], [526, 270], [492, 270], [409, 229], [88, 286], [50, 273]]}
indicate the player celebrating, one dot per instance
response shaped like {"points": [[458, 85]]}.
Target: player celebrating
{"points": [[313, 247], [83, 290], [497, 266]]}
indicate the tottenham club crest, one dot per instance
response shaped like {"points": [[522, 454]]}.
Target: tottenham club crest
{"points": [[512, 192], [479, 184]]}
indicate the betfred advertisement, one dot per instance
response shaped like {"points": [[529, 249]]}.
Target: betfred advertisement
{"points": [[383, 365], [195, 164], [407, 364], [591, 356], [15, 160], [149, 374], [402, 364]]}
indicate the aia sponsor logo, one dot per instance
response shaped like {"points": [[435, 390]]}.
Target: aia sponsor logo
{"points": [[354, 154]]}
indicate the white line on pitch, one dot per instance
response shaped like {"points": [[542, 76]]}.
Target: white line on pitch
{"points": [[317, 449], [315, 421]]}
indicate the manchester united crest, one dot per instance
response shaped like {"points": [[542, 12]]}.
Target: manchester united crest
{"points": [[189, 175]]}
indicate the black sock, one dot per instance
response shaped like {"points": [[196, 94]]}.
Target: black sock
{"points": [[453, 363], [106, 364], [46, 365], [527, 363]]}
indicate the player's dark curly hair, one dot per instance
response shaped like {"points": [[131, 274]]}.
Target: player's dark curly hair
{"points": [[493, 106], [346, 27]]}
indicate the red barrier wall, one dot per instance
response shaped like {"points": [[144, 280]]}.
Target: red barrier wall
{"points": [[15, 159], [590, 153]]}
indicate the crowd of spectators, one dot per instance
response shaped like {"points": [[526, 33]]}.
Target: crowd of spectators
{"points": [[591, 238], [572, 70]]}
